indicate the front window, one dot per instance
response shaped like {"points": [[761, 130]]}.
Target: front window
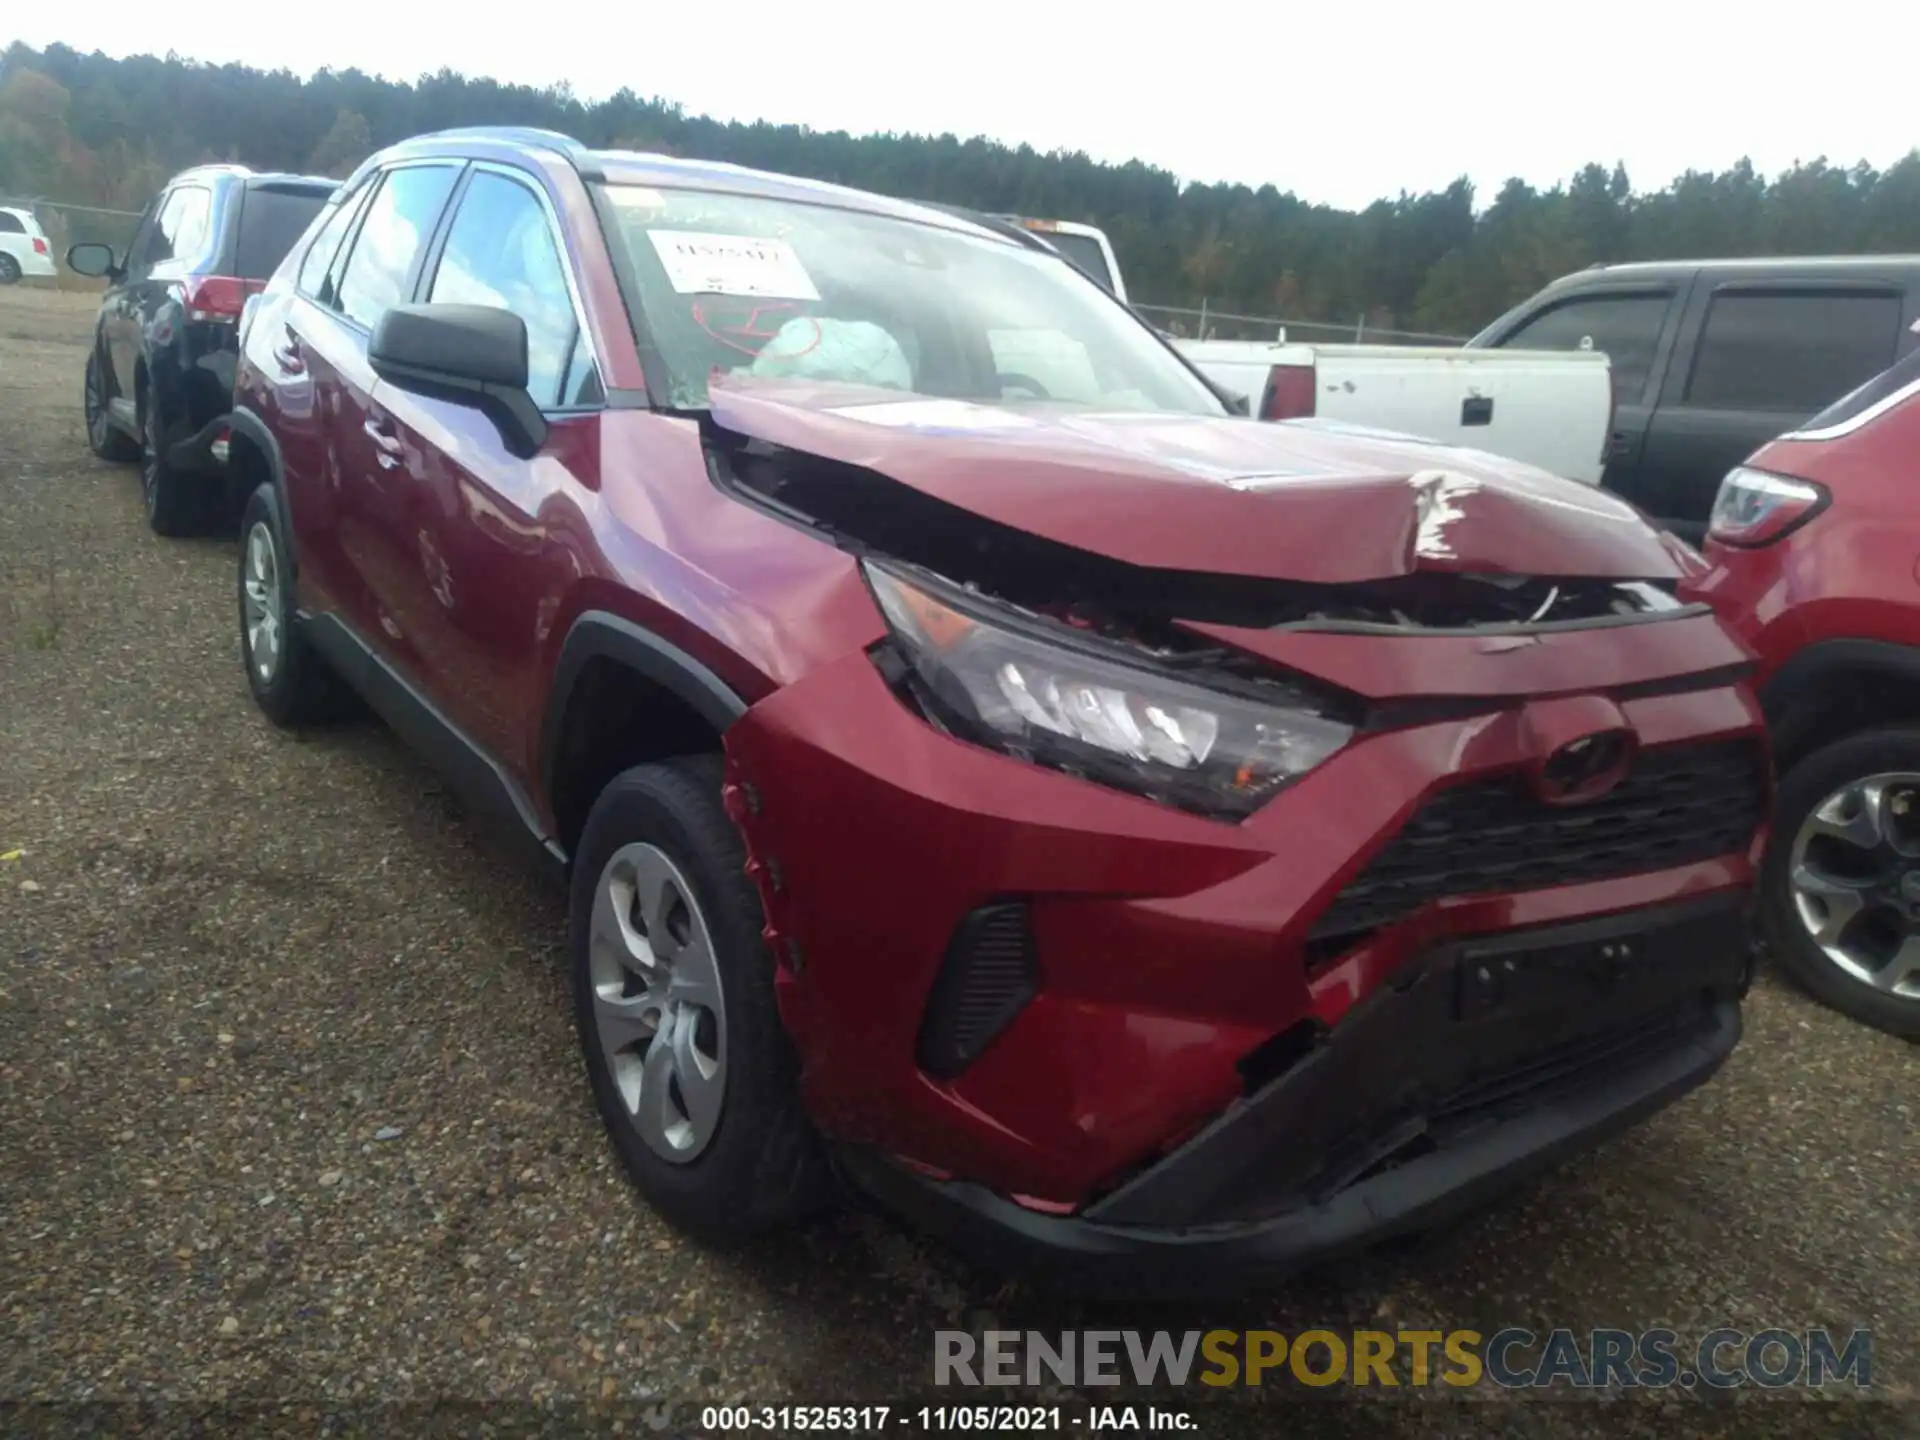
{"points": [[734, 284]]}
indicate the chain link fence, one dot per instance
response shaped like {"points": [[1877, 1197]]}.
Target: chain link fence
{"points": [[1209, 324], [73, 225]]}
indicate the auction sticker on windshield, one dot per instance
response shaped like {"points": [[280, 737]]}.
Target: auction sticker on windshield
{"points": [[698, 263]]}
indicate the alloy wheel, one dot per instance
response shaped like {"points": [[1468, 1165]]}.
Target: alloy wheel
{"points": [[261, 591], [1855, 873], [658, 1007]]}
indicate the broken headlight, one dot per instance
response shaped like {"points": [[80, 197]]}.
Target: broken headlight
{"points": [[988, 675]]}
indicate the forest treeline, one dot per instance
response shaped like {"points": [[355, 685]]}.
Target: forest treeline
{"points": [[88, 129]]}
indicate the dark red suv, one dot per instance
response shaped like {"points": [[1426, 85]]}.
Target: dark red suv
{"points": [[1815, 552], [988, 769]]}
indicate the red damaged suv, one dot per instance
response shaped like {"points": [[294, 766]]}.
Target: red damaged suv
{"points": [[990, 770]]}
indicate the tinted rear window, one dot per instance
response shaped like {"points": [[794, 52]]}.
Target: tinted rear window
{"points": [[270, 221], [1775, 350], [1884, 386], [1624, 328], [1084, 251]]}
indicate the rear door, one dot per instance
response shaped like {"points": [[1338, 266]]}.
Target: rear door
{"points": [[298, 350], [1633, 325], [1756, 357], [361, 565]]}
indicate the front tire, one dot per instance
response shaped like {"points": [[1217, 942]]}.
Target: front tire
{"points": [[1841, 901], [695, 1077], [290, 681]]}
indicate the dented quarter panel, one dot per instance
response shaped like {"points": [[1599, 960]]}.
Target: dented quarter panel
{"points": [[1193, 493]]}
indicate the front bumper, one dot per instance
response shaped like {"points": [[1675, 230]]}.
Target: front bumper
{"points": [[1487, 1064], [1163, 956]]}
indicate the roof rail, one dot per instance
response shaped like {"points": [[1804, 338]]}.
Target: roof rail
{"points": [[582, 159]]}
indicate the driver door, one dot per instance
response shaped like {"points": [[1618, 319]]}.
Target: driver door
{"points": [[482, 530]]}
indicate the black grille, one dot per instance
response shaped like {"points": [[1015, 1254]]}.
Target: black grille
{"points": [[1677, 805], [988, 976]]}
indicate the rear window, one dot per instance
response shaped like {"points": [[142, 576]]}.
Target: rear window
{"points": [[1624, 328], [1888, 385], [10, 224], [1084, 251], [1775, 350], [270, 221]]}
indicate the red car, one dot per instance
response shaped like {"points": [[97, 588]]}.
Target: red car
{"points": [[1106, 828], [1813, 547]]}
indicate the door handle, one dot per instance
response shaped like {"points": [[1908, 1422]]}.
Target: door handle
{"points": [[288, 356], [1619, 443], [385, 442]]}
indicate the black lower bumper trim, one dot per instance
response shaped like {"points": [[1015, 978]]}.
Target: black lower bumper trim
{"points": [[1228, 1259], [1660, 1038]]}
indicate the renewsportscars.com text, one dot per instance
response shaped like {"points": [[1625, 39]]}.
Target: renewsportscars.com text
{"points": [[1512, 1358]]}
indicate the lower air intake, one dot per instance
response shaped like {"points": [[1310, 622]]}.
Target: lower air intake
{"points": [[988, 976]]}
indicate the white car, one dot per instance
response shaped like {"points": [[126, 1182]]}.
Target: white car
{"points": [[23, 246]]}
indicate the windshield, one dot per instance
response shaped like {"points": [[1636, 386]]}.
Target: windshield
{"points": [[748, 285]]}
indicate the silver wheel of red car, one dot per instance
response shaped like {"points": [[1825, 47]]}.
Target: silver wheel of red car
{"points": [[1855, 873], [260, 603], [658, 1004], [673, 991]]}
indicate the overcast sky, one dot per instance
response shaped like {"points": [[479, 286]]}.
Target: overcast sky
{"points": [[1340, 103]]}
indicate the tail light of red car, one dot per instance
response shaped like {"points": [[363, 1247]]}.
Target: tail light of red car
{"points": [[217, 298], [1290, 392], [1758, 507]]}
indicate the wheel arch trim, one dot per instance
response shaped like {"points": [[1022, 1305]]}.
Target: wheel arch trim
{"points": [[244, 423], [600, 634], [1790, 698]]}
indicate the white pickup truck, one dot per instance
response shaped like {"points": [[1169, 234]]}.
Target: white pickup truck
{"points": [[1551, 408]]}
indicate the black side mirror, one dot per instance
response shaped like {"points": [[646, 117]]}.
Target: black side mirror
{"points": [[470, 354], [92, 259]]}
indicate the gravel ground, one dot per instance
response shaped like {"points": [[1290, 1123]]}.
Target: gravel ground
{"points": [[289, 1105]]}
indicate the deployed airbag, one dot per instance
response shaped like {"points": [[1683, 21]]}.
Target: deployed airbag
{"points": [[851, 352]]}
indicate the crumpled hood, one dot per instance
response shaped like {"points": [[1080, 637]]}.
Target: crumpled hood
{"points": [[1313, 501]]}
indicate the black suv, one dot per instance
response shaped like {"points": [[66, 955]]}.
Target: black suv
{"points": [[160, 375], [1713, 358]]}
